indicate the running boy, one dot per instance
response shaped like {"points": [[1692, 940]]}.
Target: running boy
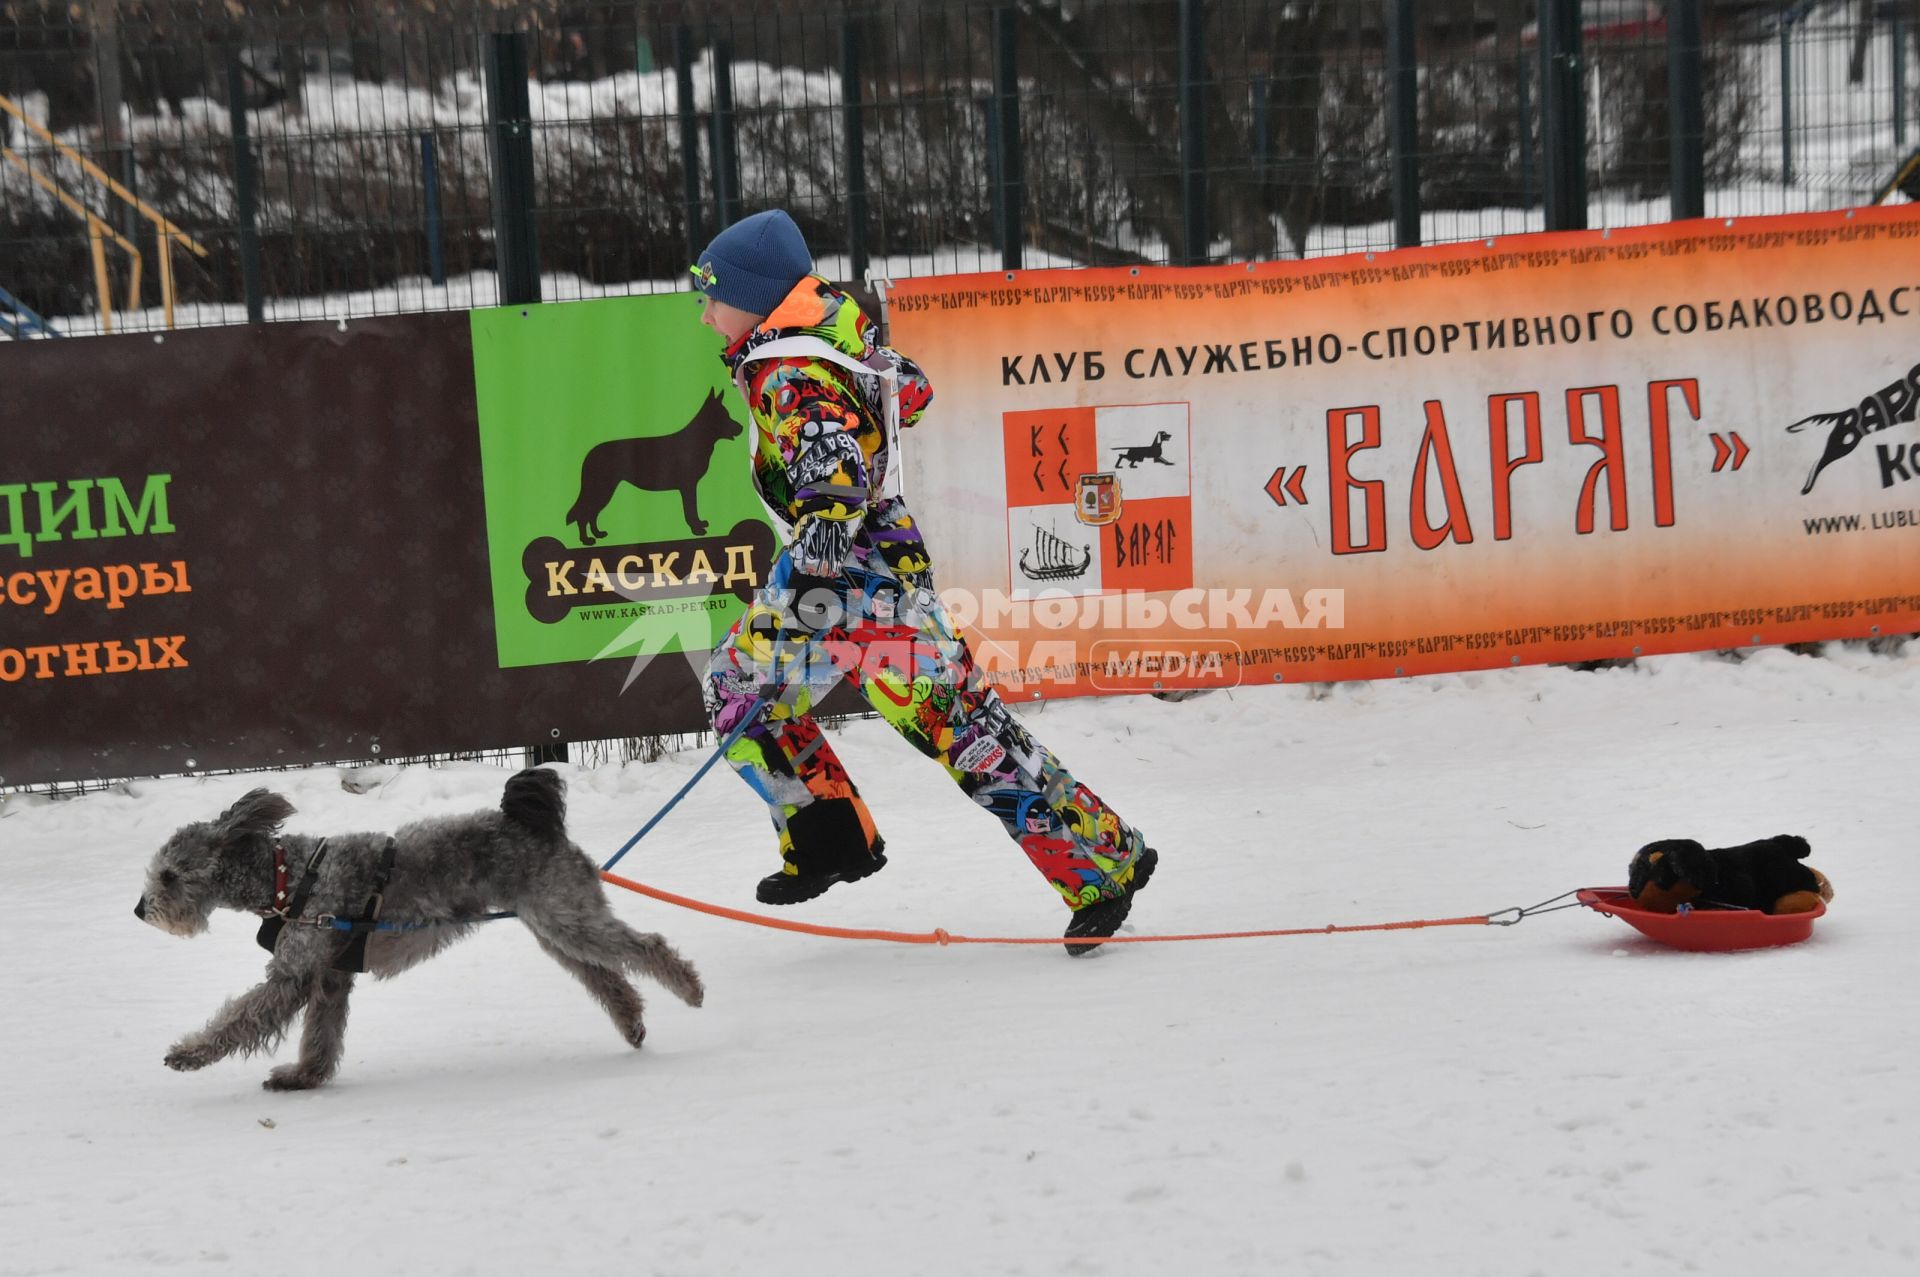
{"points": [[852, 596]]}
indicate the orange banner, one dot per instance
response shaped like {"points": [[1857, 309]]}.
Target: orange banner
{"points": [[1542, 448]]}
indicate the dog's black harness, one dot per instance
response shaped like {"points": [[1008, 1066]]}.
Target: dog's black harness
{"points": [[287, 908]]}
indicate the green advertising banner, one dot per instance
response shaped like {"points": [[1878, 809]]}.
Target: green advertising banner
{"points": [[620, 510]]}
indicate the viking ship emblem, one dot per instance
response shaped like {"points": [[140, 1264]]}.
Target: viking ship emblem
{"points": [[1053, 558]]}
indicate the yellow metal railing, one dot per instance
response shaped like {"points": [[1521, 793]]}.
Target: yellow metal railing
{"points": [[98, 230], [1907, 169]]}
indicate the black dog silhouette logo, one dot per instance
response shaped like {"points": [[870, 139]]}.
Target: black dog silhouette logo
{"points": [[662, 463], [657, 571]]}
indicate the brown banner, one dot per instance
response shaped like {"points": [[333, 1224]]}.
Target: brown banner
{"points": [[249, 546]]}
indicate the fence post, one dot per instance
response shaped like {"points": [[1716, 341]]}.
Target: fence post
{"points": [[726, 142], [430, 182], [996, 218], [1786, 104], [245, 198], [1563, 125], [1260, 111], [1523, 85], [1897, 28], [851, 128], [1003, 124], [107, 47], [689, 141], [1403, 122], [511, 134], [1686, 112], [1193, 134], [104, 32]]}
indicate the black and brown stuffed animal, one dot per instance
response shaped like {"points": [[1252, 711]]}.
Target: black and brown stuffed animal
{"points": [[1765, 875]]}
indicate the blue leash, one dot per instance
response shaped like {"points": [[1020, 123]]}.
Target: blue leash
{"points": [[739, 730], [350, 925]]}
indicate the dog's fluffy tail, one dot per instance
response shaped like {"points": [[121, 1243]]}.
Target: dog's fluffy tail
{"points": [[536, 799]]}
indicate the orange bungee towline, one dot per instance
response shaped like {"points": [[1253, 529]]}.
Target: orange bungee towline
{"points": [[941, 936]]}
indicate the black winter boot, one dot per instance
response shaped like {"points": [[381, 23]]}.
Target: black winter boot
{"points": [[1097, 921], [828, 845], [790, 886]]}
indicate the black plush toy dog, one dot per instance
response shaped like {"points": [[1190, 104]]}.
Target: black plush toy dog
{"points": [[1765, 875]]}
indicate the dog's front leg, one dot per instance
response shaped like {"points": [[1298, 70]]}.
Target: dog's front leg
{"points": [[255, 1020], [321, 1036], [251, 1022]]}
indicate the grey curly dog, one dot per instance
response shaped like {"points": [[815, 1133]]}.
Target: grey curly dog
{"points": [[447, 871]]}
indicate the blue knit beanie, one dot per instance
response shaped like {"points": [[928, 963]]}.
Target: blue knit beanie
{"points": [[754, 263]]}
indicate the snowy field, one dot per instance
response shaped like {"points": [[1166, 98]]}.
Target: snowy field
{"points": [[1560, 1097]]}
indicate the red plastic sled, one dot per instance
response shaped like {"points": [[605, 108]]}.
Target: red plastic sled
{"points": [[1707, 930]]}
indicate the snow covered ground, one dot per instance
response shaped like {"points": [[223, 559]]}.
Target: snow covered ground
{"points": [[1559, 1097]]}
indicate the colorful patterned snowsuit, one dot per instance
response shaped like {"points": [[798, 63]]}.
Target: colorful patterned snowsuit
{"points": [[821, 457]]}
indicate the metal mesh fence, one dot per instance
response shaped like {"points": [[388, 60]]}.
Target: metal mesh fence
{"points": [[336, 160]]}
